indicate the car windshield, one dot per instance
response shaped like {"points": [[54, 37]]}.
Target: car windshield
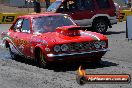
{"points": [[45, 24], [53, 7]]}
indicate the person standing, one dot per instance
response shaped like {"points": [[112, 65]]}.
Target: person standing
{"points": [[47, 3], [37, 7]]}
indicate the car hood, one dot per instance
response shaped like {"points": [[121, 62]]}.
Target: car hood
{"points": [[57, 38]]}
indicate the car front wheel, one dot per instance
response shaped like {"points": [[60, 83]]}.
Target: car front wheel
{"points": [[41, 60]]}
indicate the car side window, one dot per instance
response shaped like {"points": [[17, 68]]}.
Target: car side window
{"points": [[85, 4], [18, 25], [103, 4], [68, 6], [73, 5], [26, 26]]}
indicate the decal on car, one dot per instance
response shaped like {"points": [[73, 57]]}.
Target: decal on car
{"points": [[21, 47], [13, 49], [93, 36], [20, 41], [12, 45], [39, 40]]}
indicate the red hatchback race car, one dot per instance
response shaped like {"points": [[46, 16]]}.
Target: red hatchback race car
{"points": [[53, 37]]}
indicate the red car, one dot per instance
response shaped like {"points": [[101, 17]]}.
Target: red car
{"points": [[53, 37]]}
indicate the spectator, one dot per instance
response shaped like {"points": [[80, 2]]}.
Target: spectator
{"points": [[37, 7]]}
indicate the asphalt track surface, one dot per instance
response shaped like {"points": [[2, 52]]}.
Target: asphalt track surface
{"points": [[22, 73]]}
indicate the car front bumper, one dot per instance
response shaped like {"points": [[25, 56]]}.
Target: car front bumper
{"points": [[76, 55]]}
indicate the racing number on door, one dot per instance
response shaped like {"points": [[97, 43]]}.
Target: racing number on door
{"points": [[8, 18]]}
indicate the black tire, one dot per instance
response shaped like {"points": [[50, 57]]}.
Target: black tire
{"points": [[100, 26], [13, 55], [41, 60]]}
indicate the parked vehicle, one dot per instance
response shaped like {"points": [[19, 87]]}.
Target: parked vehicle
{"points": [[98, 14]]}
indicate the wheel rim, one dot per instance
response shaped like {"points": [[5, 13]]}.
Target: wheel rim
{"points": [[42, 58], [100, 27]]}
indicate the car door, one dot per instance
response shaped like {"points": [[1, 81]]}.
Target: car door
{"points": [[14, 33], [24, 37], [80, 10]]}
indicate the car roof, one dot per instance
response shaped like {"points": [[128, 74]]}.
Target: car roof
{"points": [[34, 15]]}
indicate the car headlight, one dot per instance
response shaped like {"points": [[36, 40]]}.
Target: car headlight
{"points": [[103, 44], [64, 47], [57, 48]]}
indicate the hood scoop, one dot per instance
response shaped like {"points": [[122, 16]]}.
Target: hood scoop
{"points": [[69, 30]]}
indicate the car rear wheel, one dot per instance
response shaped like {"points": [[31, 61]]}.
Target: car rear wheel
{"points": [[41, 60], [100, 26]]}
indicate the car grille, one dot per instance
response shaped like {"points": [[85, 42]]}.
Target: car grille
{"points": [[81, 46]]}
